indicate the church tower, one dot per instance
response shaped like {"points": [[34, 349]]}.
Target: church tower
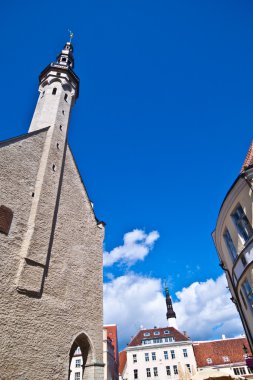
{"points": [[170, 315], [51, 244]]}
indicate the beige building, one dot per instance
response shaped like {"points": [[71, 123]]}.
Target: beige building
{"points": [[162, 353], [51, 244], [233, 237]]}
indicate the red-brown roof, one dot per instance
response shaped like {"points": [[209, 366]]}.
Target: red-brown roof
{"points": [[249, 158], [112, 335], [142, 334], [122, 361], [218, 349]]}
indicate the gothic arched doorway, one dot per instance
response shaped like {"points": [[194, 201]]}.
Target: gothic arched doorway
{"points": [[79, 356]]}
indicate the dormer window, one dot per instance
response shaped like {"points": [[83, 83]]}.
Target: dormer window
{"points": [[64, 59], [209, 361], [156, 332], [146, 334], [225, 359], [166, 332]]}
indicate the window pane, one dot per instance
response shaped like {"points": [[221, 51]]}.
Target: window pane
{"points": [[242, 224], [230, 245]]}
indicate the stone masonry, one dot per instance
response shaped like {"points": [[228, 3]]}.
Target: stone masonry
{"points": [[51, 255]]}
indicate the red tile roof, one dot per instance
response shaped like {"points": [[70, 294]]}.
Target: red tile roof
{"points": [[249, 158], [177, 335], [112, 335], [218, 349], [122, 361]]}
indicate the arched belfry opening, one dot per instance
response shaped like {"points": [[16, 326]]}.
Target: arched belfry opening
{"points": [[81, 347]]}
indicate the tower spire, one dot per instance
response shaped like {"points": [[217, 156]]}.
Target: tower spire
{"points": [[170, 315]]}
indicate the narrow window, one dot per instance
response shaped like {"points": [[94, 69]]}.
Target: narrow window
{"points": [[60, 127], [146, 356], [65, 97], [57, 146], [155, 371], [168, 370], [236, 371], [63, 112], [135, 373], [173, 355], [243, 300], [242, 371], [185, 353], [166, 356], [78, 363], [242, 223], [54, 91], [32, 194], [188, 367], [153, 356], [148, 372], [54, 168], [175, 370], [77, 376], [230, 244], [248, 292], [134, 358]]}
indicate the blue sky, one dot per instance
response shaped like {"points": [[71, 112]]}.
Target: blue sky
{"points": [[161, 127]]}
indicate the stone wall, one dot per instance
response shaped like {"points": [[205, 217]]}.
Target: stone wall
{"points": [[38, 330]]}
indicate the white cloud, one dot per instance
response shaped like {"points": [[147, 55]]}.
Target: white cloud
{"points": [[132, 301], [137, 244], [204, 310]]}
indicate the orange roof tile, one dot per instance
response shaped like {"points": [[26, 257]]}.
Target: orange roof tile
{"points": [[122, 361], [249, 158], [217, 349]]}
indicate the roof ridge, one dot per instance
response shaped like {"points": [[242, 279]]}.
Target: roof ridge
{"points": [[248, 159]]}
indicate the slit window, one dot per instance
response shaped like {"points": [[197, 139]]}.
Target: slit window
{"points": [[65, 97]]}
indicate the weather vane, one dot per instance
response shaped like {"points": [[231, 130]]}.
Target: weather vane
{"points": [[71, 35]]}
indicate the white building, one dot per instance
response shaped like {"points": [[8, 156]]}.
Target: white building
{"points": [[159, 352]]}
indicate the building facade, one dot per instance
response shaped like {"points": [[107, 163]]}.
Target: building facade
{"points": [[224, 354], [160, 353], [233, 238], [110, 356], [51, 244]]}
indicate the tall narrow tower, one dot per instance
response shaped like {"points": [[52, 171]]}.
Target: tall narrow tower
{"points": [[51, 244], [58, 90], [170, 315]]}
